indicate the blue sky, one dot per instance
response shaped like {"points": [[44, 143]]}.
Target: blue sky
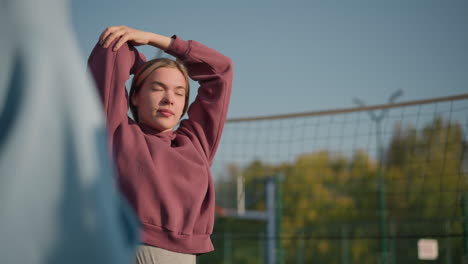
{"points": [[297, 56]]}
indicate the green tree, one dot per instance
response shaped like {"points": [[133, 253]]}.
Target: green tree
{"points": [[330, 201], [425, 179]]}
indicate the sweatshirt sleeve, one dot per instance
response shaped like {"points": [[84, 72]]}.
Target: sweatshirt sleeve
{"points": [[110, 71], [214, 72]]}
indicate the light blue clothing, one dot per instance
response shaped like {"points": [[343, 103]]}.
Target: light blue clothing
{"points": [[58, 199]]}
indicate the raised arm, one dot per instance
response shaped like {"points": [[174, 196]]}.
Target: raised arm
{"points": [[214, 72], [111, 69], [211, 69]]}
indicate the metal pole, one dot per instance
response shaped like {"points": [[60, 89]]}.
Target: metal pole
{"points": [[300, 249], [271, 219], [393, 255], [261, 247], [227, 247], [448, 256], [464, 204], [382, 199], [381, 181], [344, 245], [278, 213], [240, 195]]}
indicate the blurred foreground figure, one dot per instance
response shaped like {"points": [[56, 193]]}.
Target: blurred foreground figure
{"points": [[58, 202]]}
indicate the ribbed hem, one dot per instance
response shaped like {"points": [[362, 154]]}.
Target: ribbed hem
{"points": [[189, 244], [179, 47]]}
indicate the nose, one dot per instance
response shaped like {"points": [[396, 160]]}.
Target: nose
{"points": [[168, 99]]}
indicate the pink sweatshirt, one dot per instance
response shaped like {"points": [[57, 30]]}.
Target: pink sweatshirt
{"points": [[166, 176]]}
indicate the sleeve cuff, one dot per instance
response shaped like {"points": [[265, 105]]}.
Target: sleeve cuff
{"points": [[178, 48]]}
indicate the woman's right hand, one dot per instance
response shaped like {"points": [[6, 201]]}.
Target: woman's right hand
{"points": [[133, 36]]}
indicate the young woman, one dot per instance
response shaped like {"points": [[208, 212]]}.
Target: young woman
{"points": [[163, 172]]}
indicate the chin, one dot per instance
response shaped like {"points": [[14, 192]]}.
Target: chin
{"points": [[161, 125], [164, 127]]}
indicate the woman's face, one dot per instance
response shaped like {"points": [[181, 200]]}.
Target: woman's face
{"points": [[161, 99]]}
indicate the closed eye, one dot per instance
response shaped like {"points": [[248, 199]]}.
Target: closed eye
{"points": [[180, 91]]}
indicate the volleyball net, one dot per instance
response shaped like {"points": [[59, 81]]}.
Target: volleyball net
{"points": [[352, 184]]}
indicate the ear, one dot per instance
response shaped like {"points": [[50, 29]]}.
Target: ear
{"points": [[134, 99]]}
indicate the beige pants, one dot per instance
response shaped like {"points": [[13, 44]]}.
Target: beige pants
{"points": [[152, 255]]}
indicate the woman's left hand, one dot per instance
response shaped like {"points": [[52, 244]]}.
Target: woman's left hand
{"points": [[123, 34]]}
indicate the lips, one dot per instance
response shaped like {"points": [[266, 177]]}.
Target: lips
{"points": [[166, 112]]}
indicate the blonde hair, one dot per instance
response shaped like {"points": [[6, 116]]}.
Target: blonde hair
{"points": [[146, 69]]}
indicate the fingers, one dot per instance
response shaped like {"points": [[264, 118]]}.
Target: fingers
{"points": [[112, 33], [123, 34], [105, 34], [119, 43]]}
